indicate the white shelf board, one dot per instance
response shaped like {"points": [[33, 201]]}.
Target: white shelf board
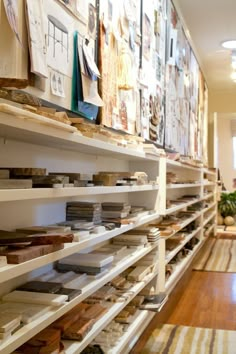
{"points": [[182, 165], [134, 331], [7, 195], [209, 218], [182, 185], [171, 254], [152, 157], [180, 268], [209, 184], [183, 224], [209, 230], [213, 173], [29, 330], [209, 207], [209, 195], [74, 347], [28, 131], [14, 270], [181, 206]]}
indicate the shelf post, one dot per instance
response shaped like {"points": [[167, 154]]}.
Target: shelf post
{"points": [[161, 266], [161, 198]]}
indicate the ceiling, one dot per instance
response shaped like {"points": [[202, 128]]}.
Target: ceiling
{"points": [[207, 24]]}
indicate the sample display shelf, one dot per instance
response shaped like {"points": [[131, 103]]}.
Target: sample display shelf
{"points": [[180, 268], [204, 186], [11, 270], [113, 310], [29, 330], [28, 131], [210, 185], [170, 255], [132, 334], [14, 130], [72, 192]]}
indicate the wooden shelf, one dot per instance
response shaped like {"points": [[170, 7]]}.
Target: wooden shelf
{"points": [[14, 270], [173, 253], [29, 330], [73, 347], [7, 195]]}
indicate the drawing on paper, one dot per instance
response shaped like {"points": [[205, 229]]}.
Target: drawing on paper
{"points": [[59, 38], [147, 35], [57, 84], [36, 38], [92, 21], [11, 8]]}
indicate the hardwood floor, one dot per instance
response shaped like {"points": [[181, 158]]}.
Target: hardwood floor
{"points": [[208, 301]]}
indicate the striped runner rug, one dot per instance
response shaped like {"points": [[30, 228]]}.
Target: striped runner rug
{"points": [[172, 339], [219, 256]]}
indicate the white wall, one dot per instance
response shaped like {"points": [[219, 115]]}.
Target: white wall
{"points": [[225, 150]]}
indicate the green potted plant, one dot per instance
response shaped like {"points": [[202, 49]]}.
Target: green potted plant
{"points": [[227, 207]]}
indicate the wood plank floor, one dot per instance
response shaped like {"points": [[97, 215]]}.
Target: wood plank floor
{"points": [[208, 301]]}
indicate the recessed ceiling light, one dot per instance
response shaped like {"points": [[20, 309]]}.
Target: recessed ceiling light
{"points": [[229, 44]]}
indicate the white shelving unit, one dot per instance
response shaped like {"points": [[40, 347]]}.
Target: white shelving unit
{"points": [[77, 347], [34, 133], [210, 179], [59, 150], [133, 333], [173, 253], [180, 207], [204, 185], [184, 185], [52, 193], [180, 268], [27, 331], [13, 270]]}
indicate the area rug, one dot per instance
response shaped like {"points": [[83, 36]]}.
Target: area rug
{"points": [[172, 339], [218, 256]]}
